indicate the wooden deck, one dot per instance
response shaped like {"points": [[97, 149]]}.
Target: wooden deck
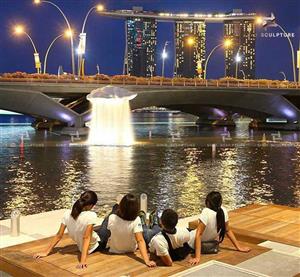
{"points": [[253, 224]]}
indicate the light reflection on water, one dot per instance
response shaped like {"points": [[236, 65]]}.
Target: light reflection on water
{"points": [[174, 174]]}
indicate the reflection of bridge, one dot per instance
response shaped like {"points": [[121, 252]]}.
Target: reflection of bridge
{"points": [[40, 100]]}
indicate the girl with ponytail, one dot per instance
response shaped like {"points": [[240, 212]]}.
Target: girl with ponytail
{"points": [[79, 222], [213, 224]]}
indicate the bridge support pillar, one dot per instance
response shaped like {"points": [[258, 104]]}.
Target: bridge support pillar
{"points": [[78, 128], [223, 122]]}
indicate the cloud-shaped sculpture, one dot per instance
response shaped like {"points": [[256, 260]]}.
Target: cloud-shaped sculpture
{"points": [[111, 92]]}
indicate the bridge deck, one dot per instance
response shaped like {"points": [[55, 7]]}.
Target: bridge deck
{"points": [[253, 224]]}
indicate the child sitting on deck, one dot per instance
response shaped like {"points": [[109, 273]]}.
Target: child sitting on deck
{"points": [[213, 223], [171, 243], [123, 229], [79, 223]]}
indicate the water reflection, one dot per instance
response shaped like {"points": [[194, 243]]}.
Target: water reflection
{"points": [[109, 173], [176, 173]]}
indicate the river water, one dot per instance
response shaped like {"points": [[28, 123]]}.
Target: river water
{"points": [[176, 166]]}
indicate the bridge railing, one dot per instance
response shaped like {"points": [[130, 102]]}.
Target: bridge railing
{"points": [[157, 81]]}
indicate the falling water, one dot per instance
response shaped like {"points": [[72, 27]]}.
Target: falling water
{"points": [[111, 117]]}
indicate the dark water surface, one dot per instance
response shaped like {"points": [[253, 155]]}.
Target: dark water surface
{"points": [[176, 168]]}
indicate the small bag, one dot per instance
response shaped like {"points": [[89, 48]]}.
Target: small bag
{"points": [[177, 254], [209, 247]]}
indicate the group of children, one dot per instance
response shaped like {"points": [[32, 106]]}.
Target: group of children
{"points": [[125, 230]]}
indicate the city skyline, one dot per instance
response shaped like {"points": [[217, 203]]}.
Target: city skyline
{"points": [[110, 55]]}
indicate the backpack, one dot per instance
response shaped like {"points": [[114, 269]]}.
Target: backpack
{"points": [[177, 254]]}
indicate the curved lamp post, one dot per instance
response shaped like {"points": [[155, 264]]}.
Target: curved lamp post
{"points": [[82, 36], [260, 21], [227, 43], [283, 74], [292, 51], [243, 72], [37, 2], [67, 34], [19, 30]]}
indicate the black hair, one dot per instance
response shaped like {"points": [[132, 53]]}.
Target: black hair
{"points": [[169, 219], [128, 207], [214, 202], [87, 198]]}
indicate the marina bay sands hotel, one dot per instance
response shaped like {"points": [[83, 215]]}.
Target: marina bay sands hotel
{"points": [[189, 41]]}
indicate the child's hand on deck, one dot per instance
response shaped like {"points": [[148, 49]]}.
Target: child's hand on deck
{"points": [[40, 255], [194, 261], [244, 249], [151, 264], [81, 266]]}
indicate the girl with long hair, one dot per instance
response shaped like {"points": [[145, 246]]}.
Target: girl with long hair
{"points": [[213, 224], [79, 222], [123, 230]]}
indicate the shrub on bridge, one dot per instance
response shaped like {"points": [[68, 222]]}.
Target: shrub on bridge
{"points": [[18, 74], [119, 79], [98, 77]]}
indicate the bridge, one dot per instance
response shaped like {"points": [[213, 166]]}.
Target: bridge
{"points": [[66, 102]]}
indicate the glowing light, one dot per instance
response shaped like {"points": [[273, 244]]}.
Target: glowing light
{"points": [[227, 43], [164, 55], [69, 33], [65, 117], [100, 8], [190, 41], [238, 58], [259, 20], [37, 2], [288, 112], [19, 29], [164, 14], [111, 117]]}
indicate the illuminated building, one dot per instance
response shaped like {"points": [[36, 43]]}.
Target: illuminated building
{"points": [[190, 48], [243, 36]]}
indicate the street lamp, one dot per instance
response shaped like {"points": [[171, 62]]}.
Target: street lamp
{"points": [[227, 43], [67, 34], [190, 41], [37, 2], [164, 55], [82, 36], [20, 30], [238, 59], [272, 23]]}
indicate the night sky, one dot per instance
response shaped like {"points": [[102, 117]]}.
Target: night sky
{"points": [[106, 38]]}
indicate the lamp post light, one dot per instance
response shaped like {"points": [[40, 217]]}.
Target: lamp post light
{"points": [[37, 2], [238, 59], [227, 43], [164, 55], [82, 37], [191, 42], [283, 74], [272, 23], [66, 34], [20, 30]]}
